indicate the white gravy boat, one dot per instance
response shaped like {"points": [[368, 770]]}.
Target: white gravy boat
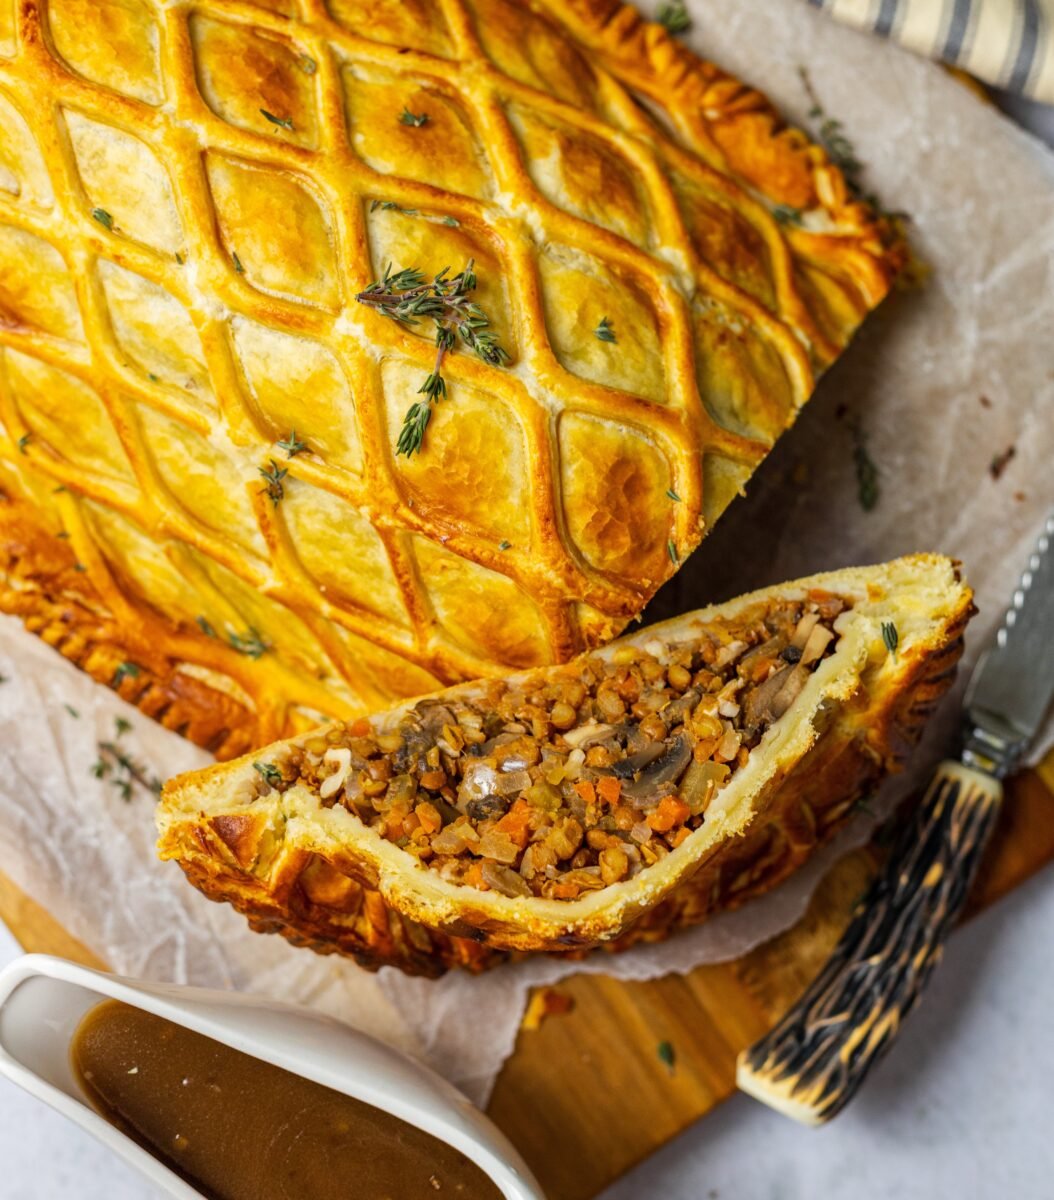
{"points": [[42, 1001]]}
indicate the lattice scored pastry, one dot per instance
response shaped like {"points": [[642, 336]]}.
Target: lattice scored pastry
{"points": [[632, 791], [201, 409]]}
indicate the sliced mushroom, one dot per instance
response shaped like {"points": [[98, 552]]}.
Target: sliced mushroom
{"points": [[658, 774], [627, 767], [591, 731]]}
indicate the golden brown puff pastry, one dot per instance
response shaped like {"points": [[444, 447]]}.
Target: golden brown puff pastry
{"points": [[678, 771], [192, 196]]}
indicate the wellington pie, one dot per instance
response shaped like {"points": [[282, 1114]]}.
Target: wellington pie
{"points": [[634, 790], [349, 349]]}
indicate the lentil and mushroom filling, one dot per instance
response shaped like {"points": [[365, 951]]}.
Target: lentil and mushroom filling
{"points": [[574, 778]]}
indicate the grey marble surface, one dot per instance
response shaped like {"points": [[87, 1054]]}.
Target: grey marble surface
{"points": [[961, 1107]]}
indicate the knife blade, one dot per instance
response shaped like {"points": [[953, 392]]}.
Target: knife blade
{"points": [[1012, 685], [812, 1063]]}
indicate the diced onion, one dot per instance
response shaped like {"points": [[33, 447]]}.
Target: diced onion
{"points": [[339, 757], [479, 780], [513, 781], [700, 782]]}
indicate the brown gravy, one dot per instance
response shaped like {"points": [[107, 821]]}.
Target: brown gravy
{"points": [[237, 1128]]}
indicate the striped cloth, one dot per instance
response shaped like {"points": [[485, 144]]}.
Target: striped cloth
{"points": [[1007, 43]]}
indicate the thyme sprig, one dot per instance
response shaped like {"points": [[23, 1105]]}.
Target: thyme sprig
{"points": [[407, 297], [122, 770], [841, 151], [274, 475], [891, 637]]}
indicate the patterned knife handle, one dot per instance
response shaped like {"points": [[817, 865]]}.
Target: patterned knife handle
{"points": [[812, 1062]]}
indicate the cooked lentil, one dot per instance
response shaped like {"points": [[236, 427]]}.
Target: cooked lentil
{"points": [[573, 779]]}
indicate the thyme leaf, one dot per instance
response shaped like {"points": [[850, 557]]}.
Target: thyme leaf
{"points": [[274, 476], [891, 637], [667, 1055], [121, 726], [72, 711], [391, 206], [125, 670], [671, 550], [24, 441], [504, 545], [307, 64], [406, 296], [271, 774], [673, 495], [406, 117], [237, 263], [786, 215], [281, 122], [674, 18], [249, 643], [292, 445], [867, 485], [205, 627], [103, 217], [605, 331]]}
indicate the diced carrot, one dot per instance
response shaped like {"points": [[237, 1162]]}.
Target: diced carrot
{"points": [[517, 823], [473, 877], [565, 891], [361, 728], [671, 811], [585, 789], [609, 788], [679, 836], [428, 815]]}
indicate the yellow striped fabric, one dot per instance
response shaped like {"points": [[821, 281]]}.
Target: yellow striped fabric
{"points": [[1007, 43]]}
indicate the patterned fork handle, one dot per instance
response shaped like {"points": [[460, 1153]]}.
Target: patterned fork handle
{"points": [[813, 1061]]}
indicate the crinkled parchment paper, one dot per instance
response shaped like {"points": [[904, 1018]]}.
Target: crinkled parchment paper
{"points": [[940, 382]]}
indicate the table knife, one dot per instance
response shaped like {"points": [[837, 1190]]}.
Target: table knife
{"points": [[811, 1064]]}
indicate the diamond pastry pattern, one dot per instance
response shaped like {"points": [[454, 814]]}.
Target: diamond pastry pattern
{"points": [[190, 197]]}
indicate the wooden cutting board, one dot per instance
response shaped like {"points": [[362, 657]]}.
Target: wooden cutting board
{"points": [[588, 1094]]}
